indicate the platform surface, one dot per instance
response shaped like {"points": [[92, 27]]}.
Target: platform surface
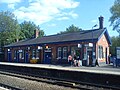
{"points": [[106, 69]]}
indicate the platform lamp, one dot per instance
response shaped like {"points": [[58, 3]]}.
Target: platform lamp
{"points": [[93, 43], [39, 48], [80, 47]]}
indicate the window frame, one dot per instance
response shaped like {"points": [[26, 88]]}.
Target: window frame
{"points": [[37, 54], [64, 52], [100, 52], [21, 54], [33, 54], [59, 52], [15, 54]]}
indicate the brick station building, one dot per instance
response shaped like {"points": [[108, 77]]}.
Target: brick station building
{"points": [[87, 44]]}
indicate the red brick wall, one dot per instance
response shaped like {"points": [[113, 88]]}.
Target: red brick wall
{"points": [[102, 42], [20, 48], [55, 46]]}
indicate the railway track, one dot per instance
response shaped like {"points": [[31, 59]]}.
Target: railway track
{"points": [[55, 81], [8, 87]]}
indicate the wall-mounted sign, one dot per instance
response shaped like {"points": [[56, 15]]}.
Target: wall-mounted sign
{"points": [[20, 50], [48, 50], [90, 44], [39, 47], [79, 45], [28, 48]]}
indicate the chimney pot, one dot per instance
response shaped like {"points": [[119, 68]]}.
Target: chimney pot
{"points": [[101, 18], [36, 33]]}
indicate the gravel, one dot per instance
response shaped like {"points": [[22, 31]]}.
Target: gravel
{"points": [[25, 84]]}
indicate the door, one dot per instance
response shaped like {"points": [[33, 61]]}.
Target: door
{"points": [[18, 56], [106, 56], [47, 57], [26, 57], [89, 58], [9, 56]]}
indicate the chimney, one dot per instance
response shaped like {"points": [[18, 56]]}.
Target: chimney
{"points": [[101, 22], [36, 33], [17, 40]]}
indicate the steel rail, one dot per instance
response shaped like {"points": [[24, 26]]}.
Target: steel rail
{"points": [[9, 87], [55, 81]]}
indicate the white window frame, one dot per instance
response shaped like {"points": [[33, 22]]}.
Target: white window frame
{"points": [[37, 54], [15, 54], [59, 52], [64, 53], [100, 52], [33, 53], [21, 54]]}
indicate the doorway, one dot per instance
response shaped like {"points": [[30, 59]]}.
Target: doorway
{"points": [[106, 56], [89, 53], [26, 56], [47, 56], [9, 56]]}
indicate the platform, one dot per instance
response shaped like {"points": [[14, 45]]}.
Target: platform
{"points": [[104, 69], [103, 75]]}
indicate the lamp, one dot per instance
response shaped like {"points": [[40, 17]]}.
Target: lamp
{"points": [[93, 53], [46, 47]]}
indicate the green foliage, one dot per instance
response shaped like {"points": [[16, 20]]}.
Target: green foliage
{"points": [[115, 18], [42, 33], [115, 43], [71, 28], [27, 29], [9, 28], [11, 31]]}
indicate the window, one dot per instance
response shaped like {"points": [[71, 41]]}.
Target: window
{"points": [[85, 53], [37, 54], [59, 52], [33, 54], [73, 50], [21, 54], [15, 54], [64, 52], [100, 52]]}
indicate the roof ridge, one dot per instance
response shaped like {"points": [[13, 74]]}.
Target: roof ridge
{"points": [[65, 37]]}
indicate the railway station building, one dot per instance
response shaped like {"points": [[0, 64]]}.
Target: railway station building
{"points": [[54, 49]]}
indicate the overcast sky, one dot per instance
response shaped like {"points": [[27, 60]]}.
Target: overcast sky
{"points": [[54, 16]]}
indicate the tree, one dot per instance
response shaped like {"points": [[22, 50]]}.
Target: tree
{"points": [[27, 29], [71, 28], [9, 28], [115, 43], [115, 18]]}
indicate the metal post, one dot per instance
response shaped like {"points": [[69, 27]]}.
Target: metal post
{"points": [[92, 48], [93, 45]]}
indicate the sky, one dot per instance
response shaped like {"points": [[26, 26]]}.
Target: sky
{"points": [[54, 16]]}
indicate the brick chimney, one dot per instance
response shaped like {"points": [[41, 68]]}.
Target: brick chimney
{"points": [[101, 22], [36, 33]]}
